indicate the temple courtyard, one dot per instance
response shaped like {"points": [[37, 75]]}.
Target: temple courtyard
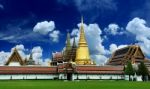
{"points": [[82, 84]]}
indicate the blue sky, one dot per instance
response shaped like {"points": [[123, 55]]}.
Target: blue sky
{"points": [[43, 24]]}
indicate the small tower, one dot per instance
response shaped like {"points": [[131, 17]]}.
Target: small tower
{"points": [[67, 49], [30, 61], [73, 51]]}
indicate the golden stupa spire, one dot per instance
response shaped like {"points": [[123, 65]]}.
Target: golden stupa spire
{"points": [[82, 40], [82, 53]]}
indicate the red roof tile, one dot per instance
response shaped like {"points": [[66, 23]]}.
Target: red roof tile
{"points": [[99, 68], [27, 70]]}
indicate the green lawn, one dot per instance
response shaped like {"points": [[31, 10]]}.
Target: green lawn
{"points": [[49, 84]]}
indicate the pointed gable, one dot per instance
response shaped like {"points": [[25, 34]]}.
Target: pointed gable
{"points": [[139, 52], [15, 57]]}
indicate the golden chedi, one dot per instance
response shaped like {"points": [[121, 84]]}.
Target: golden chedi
{"points": [[82, 53]]}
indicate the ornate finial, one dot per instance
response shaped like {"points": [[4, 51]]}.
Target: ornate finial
{"points": [[68, 44], [15, 49], [82, 20]]}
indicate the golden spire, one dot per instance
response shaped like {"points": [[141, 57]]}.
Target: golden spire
{"points": [[82, 53], [82, 40]]}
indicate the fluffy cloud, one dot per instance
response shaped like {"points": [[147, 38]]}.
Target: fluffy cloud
{"points": [[99, 59], [114, 29], [37, 54], [114, 47], [75, 32], [44, 27], [4, 57], [138, 28], [46, 62], [54, 36]]}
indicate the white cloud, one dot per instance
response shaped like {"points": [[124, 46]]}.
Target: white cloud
{"points": [[46, 62], [114, 29], [138, 28], [4, 57], [55, 35], [75, 32], [114, 47], [44, 27], [37, 54], [99, 59], [8, 38]]}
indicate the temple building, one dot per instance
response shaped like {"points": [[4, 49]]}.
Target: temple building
{"points": [[79, 55], [131, 53], [15, 59], [67, 55], [57, 58], [73, 63]]}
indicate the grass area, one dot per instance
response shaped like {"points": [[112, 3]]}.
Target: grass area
{"points": [[93, 84]]}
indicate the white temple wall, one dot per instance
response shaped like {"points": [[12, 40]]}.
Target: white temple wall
{"points": [[138, 78], [63, 76], [5, 77], [94, 76], [28, 76]]}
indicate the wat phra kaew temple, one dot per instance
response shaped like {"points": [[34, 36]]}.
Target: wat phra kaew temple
{"points": [[74, 63]]}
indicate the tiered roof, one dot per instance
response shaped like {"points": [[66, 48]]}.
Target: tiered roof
{"points": [[121, 56]]}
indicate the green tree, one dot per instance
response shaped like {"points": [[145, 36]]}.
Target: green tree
{"points": [[142, 70], [129, 70]]}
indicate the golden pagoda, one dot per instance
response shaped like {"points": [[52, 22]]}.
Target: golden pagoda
{"points": [[82, 53]]}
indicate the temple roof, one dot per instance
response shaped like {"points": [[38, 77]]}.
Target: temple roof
{"points": [[62, 69], [131, 52], [15, 57], [27, 70], [100, 69], [127, 50]]}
